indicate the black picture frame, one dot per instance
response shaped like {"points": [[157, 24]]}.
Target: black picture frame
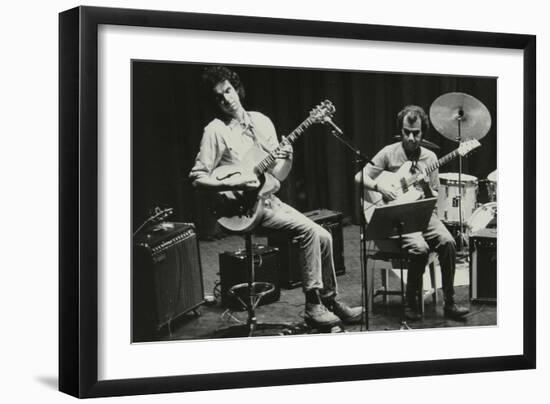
{"points": [[78, 195]]}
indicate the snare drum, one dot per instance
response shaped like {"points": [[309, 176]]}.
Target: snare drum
{"points": [[447, 200], [484, 217]]}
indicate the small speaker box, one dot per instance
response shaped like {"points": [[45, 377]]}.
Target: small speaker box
{"points": [[483, 266], [166, 278]]}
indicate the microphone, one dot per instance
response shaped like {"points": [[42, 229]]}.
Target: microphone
{"points": [[339, 134], [336, 128]]}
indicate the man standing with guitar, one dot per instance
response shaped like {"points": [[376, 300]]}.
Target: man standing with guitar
{"points": [[413, 122], [227, 140]]}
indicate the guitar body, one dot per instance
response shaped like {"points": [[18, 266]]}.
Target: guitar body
{"points": [[396, 181], [240, 211], [403, 181]]}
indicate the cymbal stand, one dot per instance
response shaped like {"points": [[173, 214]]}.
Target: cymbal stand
{"points": [[460, 220]]}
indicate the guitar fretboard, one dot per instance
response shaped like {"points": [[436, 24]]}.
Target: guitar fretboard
{"points": [[268, 161], [442, 161], [465, 147]]}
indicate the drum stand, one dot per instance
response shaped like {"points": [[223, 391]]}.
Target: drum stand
{"points": [[462, 246], [472, 118]]}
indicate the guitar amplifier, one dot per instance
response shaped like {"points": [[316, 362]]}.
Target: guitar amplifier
{"points": [[290, 271], [166, 278], [483, 266], [233, 271]]}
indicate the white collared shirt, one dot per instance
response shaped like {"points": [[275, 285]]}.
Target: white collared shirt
{"points": [[228, 142]]}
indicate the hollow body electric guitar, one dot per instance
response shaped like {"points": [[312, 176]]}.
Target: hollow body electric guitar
{"points": [[405, 184], [240, 211]]}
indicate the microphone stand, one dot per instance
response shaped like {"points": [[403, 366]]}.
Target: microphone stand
{"points": [[359, 161]]}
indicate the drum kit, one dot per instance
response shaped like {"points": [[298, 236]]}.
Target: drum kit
{"points": [[465, 204]]}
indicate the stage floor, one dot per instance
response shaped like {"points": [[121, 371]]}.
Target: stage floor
{"points": [[214, 318]]}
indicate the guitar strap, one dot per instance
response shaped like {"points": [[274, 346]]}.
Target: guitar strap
{"points": [[414, 159], [250, 130]]}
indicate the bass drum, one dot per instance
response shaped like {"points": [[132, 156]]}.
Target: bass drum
{"points": [[484, 217], [448, 192]]}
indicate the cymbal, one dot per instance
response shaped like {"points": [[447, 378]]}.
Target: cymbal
{"points": [[492, 176], [426, 143], [449, 109]]}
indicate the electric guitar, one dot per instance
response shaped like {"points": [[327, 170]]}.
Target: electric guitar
{"points": [[404, 183], [240, 211], [156, 215]]}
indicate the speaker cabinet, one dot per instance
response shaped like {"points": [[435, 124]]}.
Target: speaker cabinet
{"points": [[483, 266], [290, 271], [166, 278], [233, 271]]}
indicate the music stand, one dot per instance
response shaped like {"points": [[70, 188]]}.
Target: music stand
{"points": [[394, 220]]}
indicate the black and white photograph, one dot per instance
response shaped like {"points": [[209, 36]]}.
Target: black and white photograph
{"points": [[216, 202], [255, 202], [275, 201]]}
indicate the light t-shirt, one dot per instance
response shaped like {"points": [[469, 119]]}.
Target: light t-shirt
{"points": [[393, 156]]}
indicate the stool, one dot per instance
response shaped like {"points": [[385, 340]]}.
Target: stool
{"points": [[385, 258], [249, 294]]}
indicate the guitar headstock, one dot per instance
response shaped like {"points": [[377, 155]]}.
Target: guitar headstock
{"points": [[467, 146], [158, 215], [322, 112]]}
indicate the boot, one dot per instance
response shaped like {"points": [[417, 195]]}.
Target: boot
{"points": [[455, 312], [349, 315], [412, 311], [317, 315]]}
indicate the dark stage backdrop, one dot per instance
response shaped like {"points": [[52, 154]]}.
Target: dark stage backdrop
{"points": [[168, 117]]}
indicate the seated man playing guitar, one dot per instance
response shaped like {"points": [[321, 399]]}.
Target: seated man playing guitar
{"points": [[413, 122], [228, 140]]}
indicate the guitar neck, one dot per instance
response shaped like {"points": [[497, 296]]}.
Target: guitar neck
{"points": [[442, 161], [268, 161]]}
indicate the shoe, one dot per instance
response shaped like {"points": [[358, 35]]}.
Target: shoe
{"points": [[412, 314], [455, 312], [317, 315], [349, 315]]}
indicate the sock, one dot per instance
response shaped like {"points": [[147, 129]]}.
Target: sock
{"points": [[312, 296]]}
